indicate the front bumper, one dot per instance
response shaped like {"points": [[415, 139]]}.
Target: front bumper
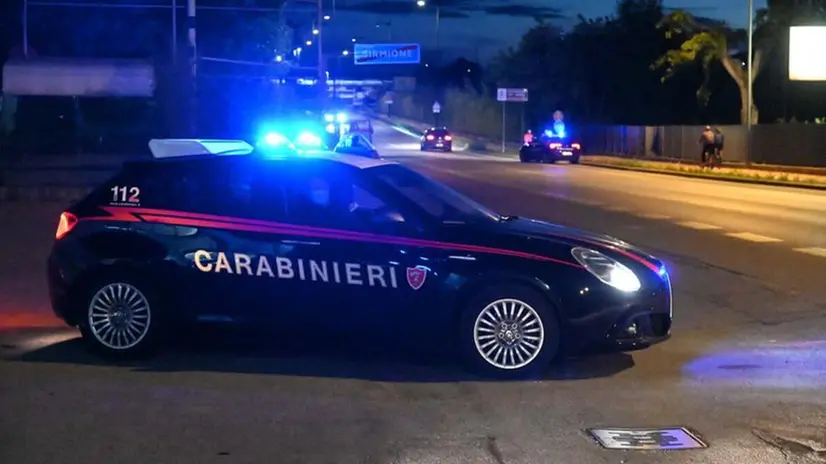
{"points": [[619, 324]]}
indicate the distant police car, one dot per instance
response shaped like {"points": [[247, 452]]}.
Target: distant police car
{"points": [[344, 242], [551, 147]]}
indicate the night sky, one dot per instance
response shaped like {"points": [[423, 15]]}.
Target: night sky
{"points": [[481, 34]]}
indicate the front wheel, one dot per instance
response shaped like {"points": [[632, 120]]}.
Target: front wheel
{"points": [[509, 332], [122, 319]]}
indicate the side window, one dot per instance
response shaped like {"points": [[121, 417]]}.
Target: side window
{"points": [[223, 189], [240, 190], [330, 198]]}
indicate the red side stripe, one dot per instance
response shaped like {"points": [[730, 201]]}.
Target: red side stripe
{"points": [[129, 214]]}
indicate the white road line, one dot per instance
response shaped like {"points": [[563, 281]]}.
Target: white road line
{"points": [[658, 217], [753, 237], [698, 225], [820, 252]]}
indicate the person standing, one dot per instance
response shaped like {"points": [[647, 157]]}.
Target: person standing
{"points": [[707, 139]]}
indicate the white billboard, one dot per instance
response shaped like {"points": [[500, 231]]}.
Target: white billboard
{"points": [[79, 78], [807, 58]]}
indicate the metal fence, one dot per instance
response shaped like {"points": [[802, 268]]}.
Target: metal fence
{"points": [[783, 144]]}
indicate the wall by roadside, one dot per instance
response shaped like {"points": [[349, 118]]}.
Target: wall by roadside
{"points": [[56, 178], [788, 144]]}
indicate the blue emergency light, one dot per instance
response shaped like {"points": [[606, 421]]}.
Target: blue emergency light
{"points": [[308, 140], [275, 139]]}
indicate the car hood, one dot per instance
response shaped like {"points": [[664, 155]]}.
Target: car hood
{"points": [[575, 237]]}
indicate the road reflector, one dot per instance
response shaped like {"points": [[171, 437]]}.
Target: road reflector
{"points": [[669, 438]]}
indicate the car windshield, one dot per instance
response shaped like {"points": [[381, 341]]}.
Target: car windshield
{"points": [[438, 201]]}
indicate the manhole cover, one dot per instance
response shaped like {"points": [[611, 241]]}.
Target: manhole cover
{"points": [[671, 438]]}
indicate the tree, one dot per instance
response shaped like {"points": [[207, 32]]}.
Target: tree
{"points": [[709, 42]]}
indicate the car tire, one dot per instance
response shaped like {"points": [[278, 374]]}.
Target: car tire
{"points": [[480, 349], [575, 160], [121, 298], [423, 148]]}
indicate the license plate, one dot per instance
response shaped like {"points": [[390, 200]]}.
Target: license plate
{"points": [[439, 145], [566, 153]]}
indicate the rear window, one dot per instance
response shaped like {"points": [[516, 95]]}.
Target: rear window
{"points": [[440, 132]]}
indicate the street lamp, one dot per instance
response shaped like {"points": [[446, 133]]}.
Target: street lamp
{"points": [[354, 40], [309, 43], [326, 17], [316, 31], [422, 4], [279, 58], [345, 52]]}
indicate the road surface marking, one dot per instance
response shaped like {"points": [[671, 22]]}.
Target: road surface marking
{"points": [[698, 225], [659, 217], [748, 236], [821, 252], [617, 209]]}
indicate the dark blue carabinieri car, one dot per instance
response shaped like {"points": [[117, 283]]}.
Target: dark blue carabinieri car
{"points": [[343, 243]]}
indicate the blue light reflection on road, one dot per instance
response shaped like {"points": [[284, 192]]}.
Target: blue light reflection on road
{"points": [[786, 365]]}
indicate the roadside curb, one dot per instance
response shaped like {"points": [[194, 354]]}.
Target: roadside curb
{"points": [[45, 193], [772, 183]]}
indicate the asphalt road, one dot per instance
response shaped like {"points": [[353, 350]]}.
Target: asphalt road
{"points": [[746, 369]]}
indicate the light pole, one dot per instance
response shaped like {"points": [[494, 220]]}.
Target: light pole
{"points": [[750, 77], [422, 4]]}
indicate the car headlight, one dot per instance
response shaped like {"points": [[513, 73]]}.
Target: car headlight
{"points": [[609, 271]]}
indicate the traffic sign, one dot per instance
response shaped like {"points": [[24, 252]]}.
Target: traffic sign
{"points": [[512, 95], [409, 53], [437, 108]]}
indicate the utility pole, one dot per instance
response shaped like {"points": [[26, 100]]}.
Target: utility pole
{"points": [[25, 28], [322, 72], [750, 78], [193, 63], [174, 32]]}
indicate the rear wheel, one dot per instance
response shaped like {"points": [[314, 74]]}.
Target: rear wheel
{"points": [[509, 332], [122, 318], [575, 160]]}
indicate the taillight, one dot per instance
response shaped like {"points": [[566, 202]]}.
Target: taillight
{"points": [[448, 138], [555, 145], [576, 146], [430, 137], [67, 222]]}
